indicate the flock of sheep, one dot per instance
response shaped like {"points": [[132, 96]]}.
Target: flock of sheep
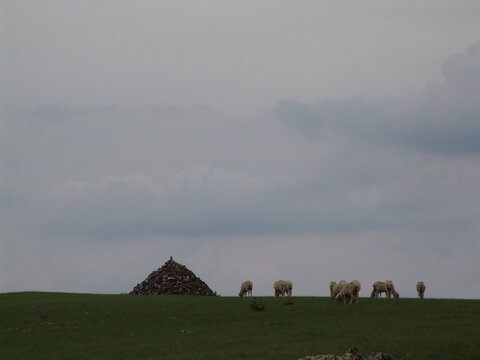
{"points": [[341, 291]]}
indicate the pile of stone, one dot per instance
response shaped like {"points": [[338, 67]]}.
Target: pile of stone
{"points": [[351, 354], [172, 279]]}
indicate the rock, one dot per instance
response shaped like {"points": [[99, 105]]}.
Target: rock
{"points": [[351, 354], [172, 279], [382, 356]]}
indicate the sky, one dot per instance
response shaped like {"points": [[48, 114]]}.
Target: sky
{"points": [[311, 141]]}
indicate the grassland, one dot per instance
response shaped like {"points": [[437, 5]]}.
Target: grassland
{"points": [[80, 326]]}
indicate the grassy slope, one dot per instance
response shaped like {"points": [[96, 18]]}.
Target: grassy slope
{"points": [[78, 326]]}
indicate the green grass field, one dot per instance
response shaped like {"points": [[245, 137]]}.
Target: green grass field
{"points": [[80, 326]]}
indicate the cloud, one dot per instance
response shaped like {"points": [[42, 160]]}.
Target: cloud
{"points": [[443, 119], [462, 71], [196, 201], [433, 202], [333, 167]]}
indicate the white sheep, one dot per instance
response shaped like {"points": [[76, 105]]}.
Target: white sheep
{"points": [[379, 287], [283, 288], [279, 287], [421, 289], [332, 285], [337, 287], [357, 289], [246, 288], [351, 292], [386, 287], [390, 289], [288, 288]]}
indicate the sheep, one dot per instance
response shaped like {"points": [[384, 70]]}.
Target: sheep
{"points": [[386, 287], [332, 285], [337, 287], [283, 288], [351, 291], [390, 288], [378, 288], [357, 288], [288, 288], [246, 288], [421, 289], [279, 287]]}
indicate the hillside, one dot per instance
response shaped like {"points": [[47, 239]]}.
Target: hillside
{"points": [[81, 326]]}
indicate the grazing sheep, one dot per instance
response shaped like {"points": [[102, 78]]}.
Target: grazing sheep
{"points": [[357, 289], [246, 288], [379, 287], [279, 287], [332, 285], [421, 289], [386, 287], [390, 288], [288, 288], [337, 287], [351, 291], [283, 288]]}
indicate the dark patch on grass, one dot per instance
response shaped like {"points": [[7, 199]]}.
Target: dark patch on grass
{"points": [[288, 302], [257, 305]]}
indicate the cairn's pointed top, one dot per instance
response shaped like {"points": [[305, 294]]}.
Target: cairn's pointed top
{"points": [[172, 263]]}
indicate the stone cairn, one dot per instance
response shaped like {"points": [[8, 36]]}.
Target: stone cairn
{"points": [[351, 354], [172, 279]]}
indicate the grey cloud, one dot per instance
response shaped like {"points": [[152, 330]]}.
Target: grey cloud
{"points": [[194, 173], [303, 117], [443, 119], [462, 70], [59, 113], [201, 205]]}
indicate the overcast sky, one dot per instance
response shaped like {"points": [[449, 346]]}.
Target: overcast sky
{"points": [[263, 140]]}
